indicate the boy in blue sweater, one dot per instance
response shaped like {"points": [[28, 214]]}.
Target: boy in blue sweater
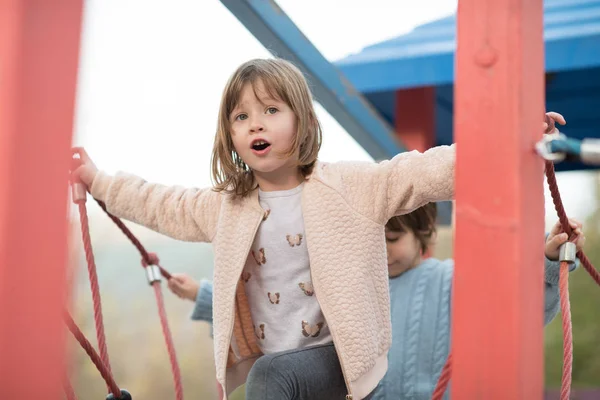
{"points": [[420, 295]]}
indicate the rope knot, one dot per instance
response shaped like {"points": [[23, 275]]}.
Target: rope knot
{"points": [[151, 259]]}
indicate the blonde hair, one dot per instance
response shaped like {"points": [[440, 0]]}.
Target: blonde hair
{"points": [[282, 81]]}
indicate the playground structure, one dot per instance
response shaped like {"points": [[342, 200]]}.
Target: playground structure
{"points": [[36, 118]]}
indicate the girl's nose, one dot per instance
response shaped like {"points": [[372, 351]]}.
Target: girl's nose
{"points": [[256, 125]]}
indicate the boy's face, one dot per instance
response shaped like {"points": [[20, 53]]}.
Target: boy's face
{"points": [[403, 251]]}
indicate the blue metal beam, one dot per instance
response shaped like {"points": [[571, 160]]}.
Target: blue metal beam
{"points": [[392, 69], [278, 33]]}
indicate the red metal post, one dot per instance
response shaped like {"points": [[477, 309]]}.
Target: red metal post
{"points": [[415, 117], [499, 106], [39, 51]]}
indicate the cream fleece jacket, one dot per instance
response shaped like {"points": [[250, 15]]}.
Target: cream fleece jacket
{"points": [[345, 206]]}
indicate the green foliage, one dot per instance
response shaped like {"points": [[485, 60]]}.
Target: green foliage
{"points": [[585, 305]]}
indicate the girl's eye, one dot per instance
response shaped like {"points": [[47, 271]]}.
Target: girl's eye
{"points": [[272, 110], [241, 117], [391, 240]]}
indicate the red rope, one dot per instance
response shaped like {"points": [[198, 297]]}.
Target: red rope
{"points": [[169, 340], [102, 363], [89, 256], [147, 258], [69, 392], [564, 220], [565, 306], [89, 349], [152, 259], [565, 310], [443, 380]]}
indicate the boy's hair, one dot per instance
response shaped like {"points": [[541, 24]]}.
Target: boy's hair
{"points": [[282, 81], [421, 222]]}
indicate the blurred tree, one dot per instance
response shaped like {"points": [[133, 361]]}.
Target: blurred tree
{"points": [[585, 306]]}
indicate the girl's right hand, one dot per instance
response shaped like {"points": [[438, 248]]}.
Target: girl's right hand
{"points": [[83, 169], [184, 286], [551, 119]]}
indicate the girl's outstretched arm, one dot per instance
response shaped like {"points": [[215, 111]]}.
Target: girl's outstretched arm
{"points": [[398, 186], [181, 213], [184, 214]]}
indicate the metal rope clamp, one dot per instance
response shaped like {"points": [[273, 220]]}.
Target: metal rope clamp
{"points": [[567, 252], [543, 149], [153, 273], [78, 192]]}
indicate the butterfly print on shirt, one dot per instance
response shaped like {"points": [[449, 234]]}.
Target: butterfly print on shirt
{"points": [[294, 240], [259, 256]]}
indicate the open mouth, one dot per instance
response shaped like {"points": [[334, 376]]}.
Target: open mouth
{"points": [[260, 145]]}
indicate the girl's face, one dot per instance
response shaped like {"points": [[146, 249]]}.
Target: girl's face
{"points": [[262, 130], [403, 251]]}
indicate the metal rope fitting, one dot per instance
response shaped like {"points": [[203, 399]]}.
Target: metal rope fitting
{"points": [[543, 149], [125, 395], [153, 273], [78, 193], [590, 151], [568, 252]]}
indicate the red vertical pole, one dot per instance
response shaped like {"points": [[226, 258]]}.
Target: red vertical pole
{"points": [[415, 117], [39, 50], [498, 299]]}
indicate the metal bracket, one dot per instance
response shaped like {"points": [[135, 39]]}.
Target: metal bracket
{"points": [[590, 151], [543, 149]]}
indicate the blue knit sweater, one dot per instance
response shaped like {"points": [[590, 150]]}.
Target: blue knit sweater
{"points": [[420, 308]]}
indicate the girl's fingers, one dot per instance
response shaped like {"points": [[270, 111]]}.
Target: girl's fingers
{"points": [[557, 117], [580, 242], [556, 229], [83, 155]]}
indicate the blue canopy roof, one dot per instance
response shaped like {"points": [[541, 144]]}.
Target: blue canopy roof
{"points": [[425, 57]]}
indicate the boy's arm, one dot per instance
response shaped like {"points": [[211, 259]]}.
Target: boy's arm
{"points": [[551, 293], [402, 184], [203, 310], [183, 214]]}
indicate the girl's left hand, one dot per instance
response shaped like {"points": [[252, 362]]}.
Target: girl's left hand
{"points": [[184, 286], [557, 237]]}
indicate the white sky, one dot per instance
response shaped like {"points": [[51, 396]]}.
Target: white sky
{"points": [[152, 72]]}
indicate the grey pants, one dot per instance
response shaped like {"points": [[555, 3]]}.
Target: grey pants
{"points": [[311, 373]]}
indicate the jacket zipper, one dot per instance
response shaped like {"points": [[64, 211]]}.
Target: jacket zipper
{"points": [[233, 305], [325, 313], [333, 335]]}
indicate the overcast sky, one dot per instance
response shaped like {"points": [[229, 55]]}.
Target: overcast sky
{"points": [[152, 72]]}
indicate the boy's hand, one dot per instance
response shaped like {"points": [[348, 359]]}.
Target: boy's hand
{"points": [[551, 119], [83, 169], [557, 237], [184, 286]]}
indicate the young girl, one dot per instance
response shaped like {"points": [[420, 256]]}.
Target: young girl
{"points": [[285, 228], [420, 291]]}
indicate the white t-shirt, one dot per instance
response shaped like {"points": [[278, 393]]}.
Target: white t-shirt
{"points": [[277, 278]]}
